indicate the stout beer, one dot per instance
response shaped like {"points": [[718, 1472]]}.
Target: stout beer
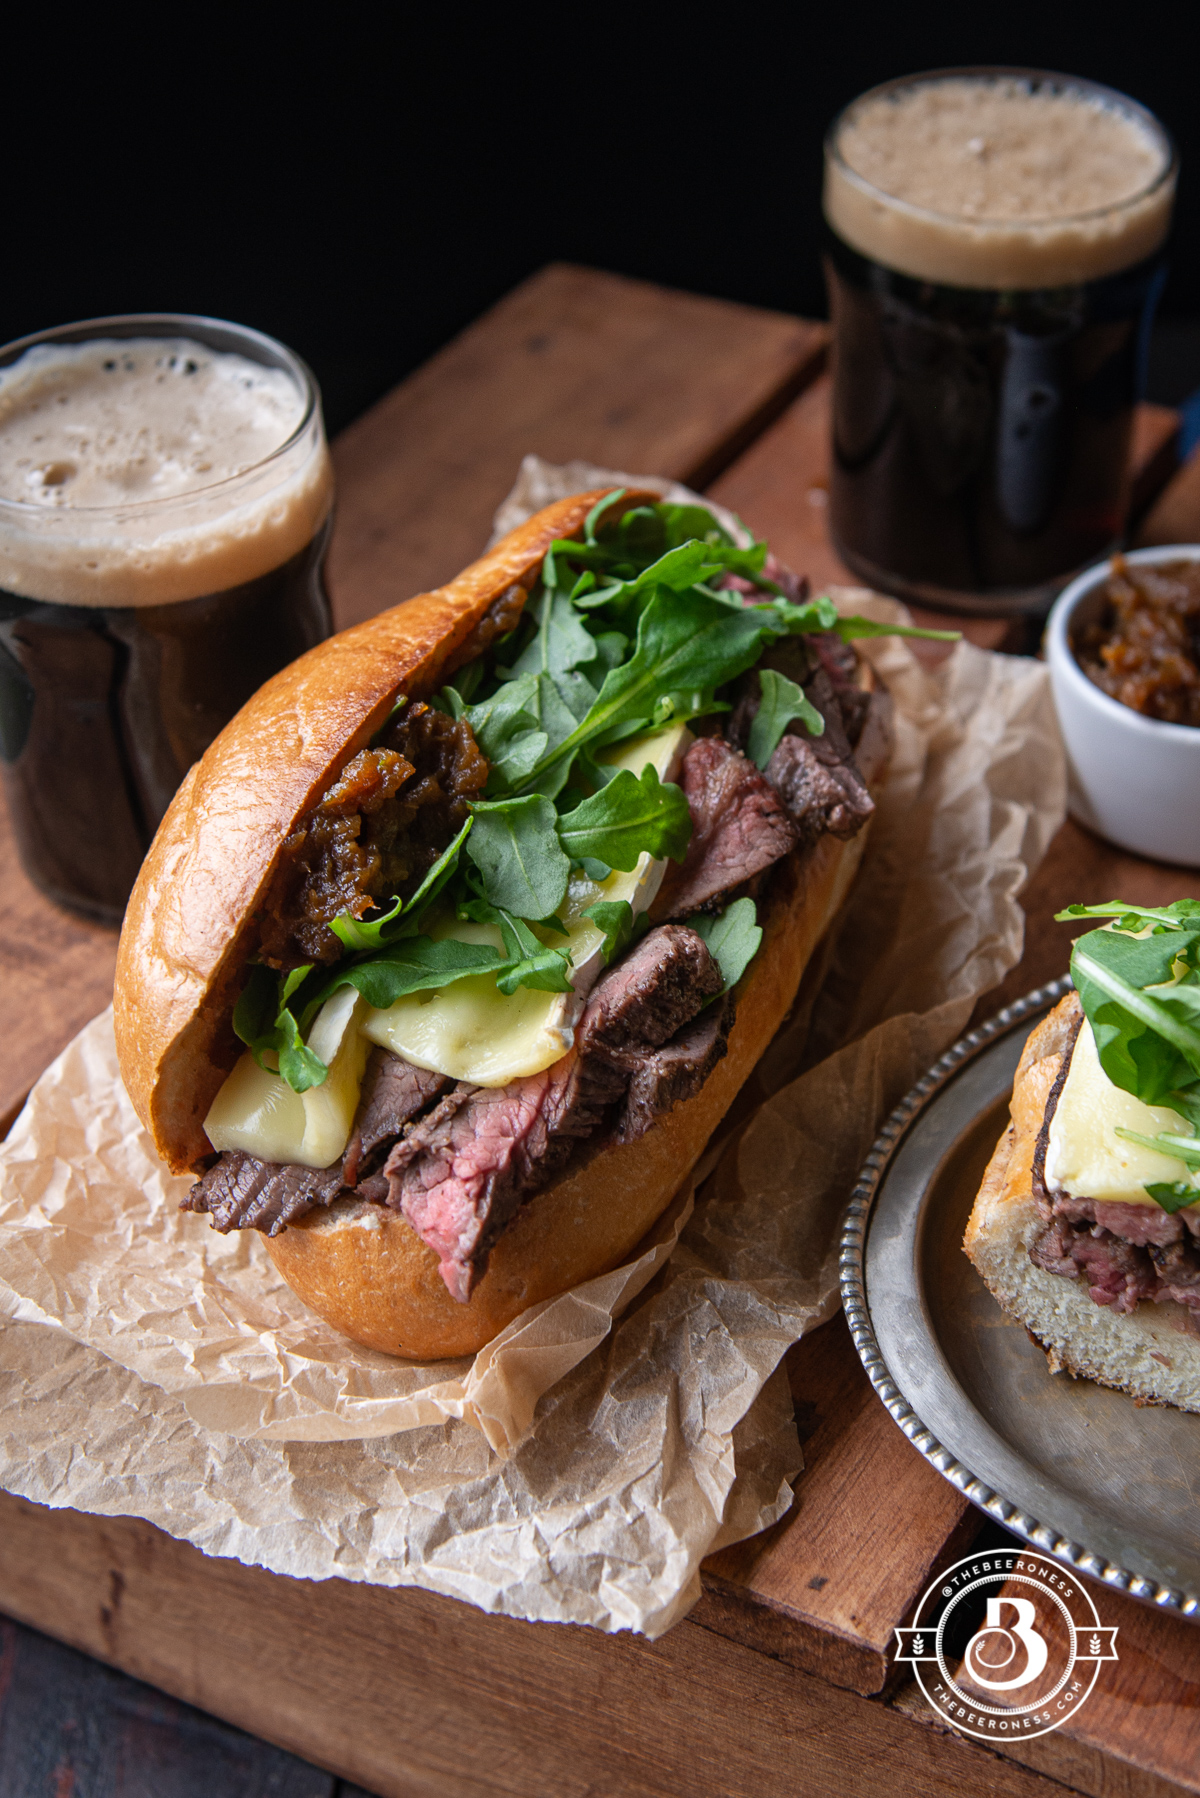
{"points": [[165, 492], [993, 256]]}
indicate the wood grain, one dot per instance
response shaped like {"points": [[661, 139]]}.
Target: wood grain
{"points": [[826, 1587], [1079, 1766], [71, 1726], [1145, 1709], [414, 1695], [57, 972], [572, 364]]}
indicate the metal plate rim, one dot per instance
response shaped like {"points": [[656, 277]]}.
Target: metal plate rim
{"points": [[852, 1262]]}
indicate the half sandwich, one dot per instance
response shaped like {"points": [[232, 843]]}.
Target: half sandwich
{"points": [[1087, 1225]]}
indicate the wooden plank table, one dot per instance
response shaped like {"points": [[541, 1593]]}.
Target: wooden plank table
{"points": [[781, 1677]]}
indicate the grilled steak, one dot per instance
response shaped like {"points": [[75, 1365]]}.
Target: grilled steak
{"points": [[816, 778], [667, 1076], [240, 1193], [739, 828], [393, 1093], [460, 1175]]}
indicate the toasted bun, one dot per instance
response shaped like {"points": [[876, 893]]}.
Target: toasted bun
{"points": [[367, 1272], [189, 926], [1150, 1353]]}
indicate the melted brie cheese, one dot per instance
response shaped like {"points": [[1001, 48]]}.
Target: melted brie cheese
{"points": [[257, 1111], [469, 1030], [1084, 1155]]}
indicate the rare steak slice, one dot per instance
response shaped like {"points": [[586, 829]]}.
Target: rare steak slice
{"points": [[739, 828], [394, 1092], [460, 1175], [669, 1075], [240, 1193], [817, 778], [657, 986]]}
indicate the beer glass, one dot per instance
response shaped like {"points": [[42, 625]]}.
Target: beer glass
{"points": [[165, 499], [994, 252]]}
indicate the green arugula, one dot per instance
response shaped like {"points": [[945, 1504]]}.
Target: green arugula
{"points": [[629, 629], [1173, 1195], [264, 1021], [733, 938], [627, 818], [357, 936], [1141, 996], [515, 846], [781, 700], [621, 926]]}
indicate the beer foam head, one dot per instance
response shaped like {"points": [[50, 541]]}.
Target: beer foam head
{"points": [[999, 180], [142, 471]]}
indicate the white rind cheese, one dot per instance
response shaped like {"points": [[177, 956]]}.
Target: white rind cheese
{"points": [[257, 1111], [1084, 1155], [468, 1030]]}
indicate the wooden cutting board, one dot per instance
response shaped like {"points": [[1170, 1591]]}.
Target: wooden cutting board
{"points": [[780, 1679]]}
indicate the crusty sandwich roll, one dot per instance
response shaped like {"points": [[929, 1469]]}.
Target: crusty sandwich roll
{"points": [[366, 1271], [189, 926], [1150, 1353]]}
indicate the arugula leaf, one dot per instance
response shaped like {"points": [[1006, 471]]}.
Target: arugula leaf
{"points": [[1136, 917], [1173, 1195], [1179, 1148], [678, 570], [598, 510], [264, 1022], [629, 817], [418, 964], [256, 1010], [1148, 1044], [506, 726], [528, 961], [686, 648], [563, 641], [781, 701], [850, 628], [733, 938], [297, 1063], [531, 963], [621, 926], [515, 846], [355, 935]]}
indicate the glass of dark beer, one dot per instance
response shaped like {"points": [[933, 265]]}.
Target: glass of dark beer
{"points": [[994, 252], [165, 500]]}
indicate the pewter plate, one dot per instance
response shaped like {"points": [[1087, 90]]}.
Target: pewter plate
{"points": [[1075, 1469]]}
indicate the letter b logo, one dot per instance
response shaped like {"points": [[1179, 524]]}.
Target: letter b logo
{"points": [[994, 1648]]}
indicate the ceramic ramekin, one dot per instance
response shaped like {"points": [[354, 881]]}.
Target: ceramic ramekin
{"points": [[1134, 780]]}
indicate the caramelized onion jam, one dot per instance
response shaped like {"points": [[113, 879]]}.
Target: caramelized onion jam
{"points": [[1144, 647]]}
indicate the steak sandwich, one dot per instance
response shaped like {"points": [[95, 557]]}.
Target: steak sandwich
{"points": [[454, 948], [1087, 1225]]}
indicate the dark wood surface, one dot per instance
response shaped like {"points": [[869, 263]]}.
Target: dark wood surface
{"points": [[70, 1727], [780, 1679]]}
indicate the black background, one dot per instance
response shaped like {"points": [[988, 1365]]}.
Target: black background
{"points": [[362, 181]]}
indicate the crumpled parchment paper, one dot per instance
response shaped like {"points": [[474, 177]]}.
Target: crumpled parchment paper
{"points": [[581, 1467]]}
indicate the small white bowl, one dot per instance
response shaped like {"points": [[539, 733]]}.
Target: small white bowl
{"points": [[1134, 780]]}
